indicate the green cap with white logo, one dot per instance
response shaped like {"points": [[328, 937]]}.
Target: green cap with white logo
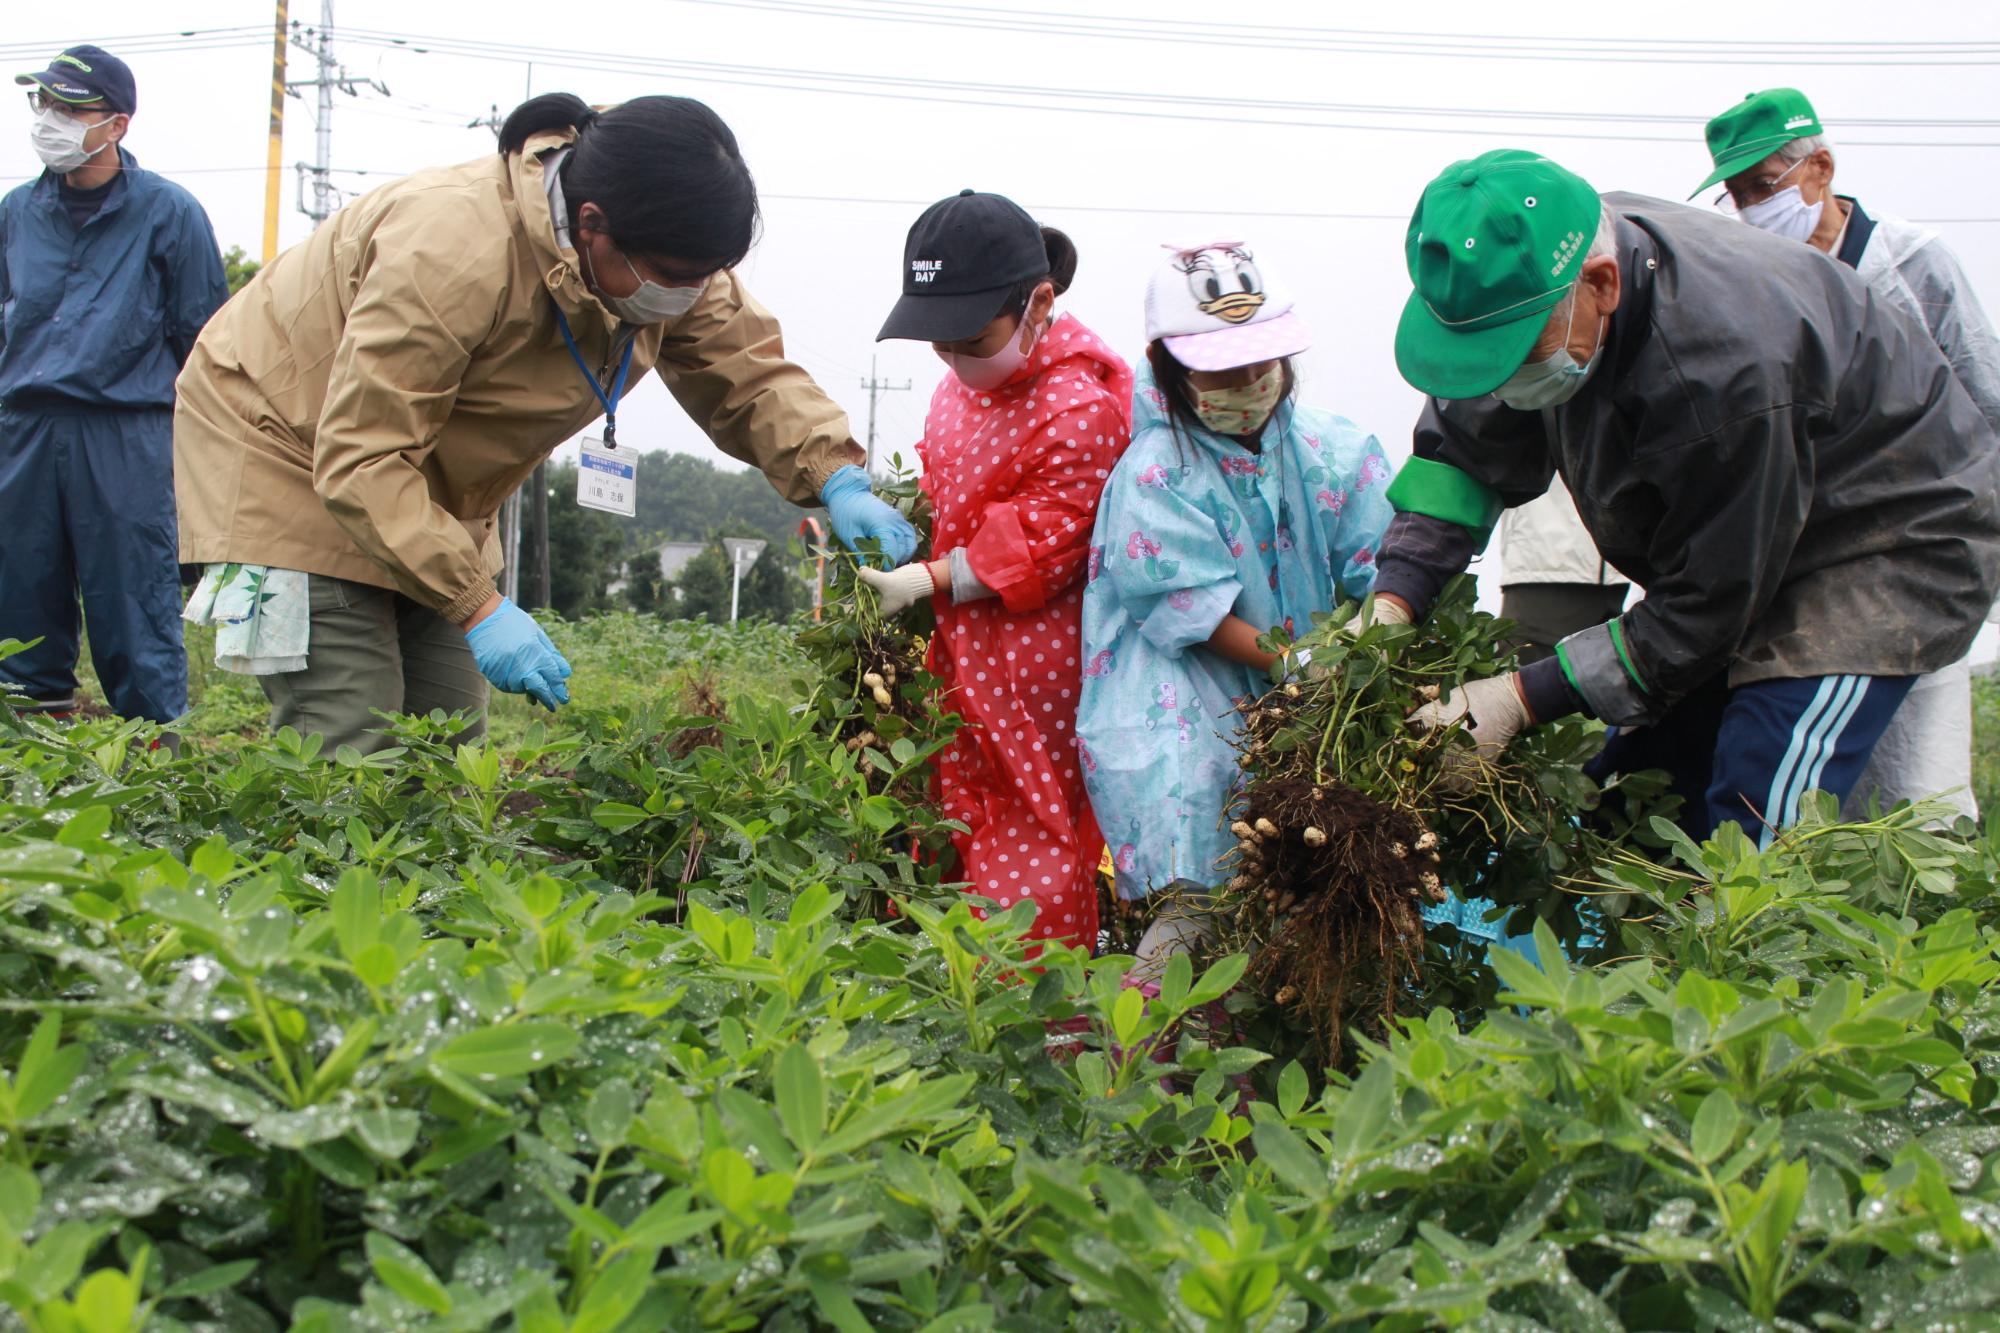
{"points": [[1755, 128], [1494, 244]]}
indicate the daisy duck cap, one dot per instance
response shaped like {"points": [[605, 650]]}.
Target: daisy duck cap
{"points": [[1216, 309]]}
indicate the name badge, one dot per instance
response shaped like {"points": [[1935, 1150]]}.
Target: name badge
{"points": [[607, 478]]}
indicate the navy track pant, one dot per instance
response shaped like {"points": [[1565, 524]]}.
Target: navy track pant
{"points": [[1750, 753], [87, 510]]}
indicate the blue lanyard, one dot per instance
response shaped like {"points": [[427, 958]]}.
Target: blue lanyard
{"points": [[617, 381]]}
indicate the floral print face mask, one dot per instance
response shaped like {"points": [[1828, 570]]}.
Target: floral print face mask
{"points": [[1241, 411]]}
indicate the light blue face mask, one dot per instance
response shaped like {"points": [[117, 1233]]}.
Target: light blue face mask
{"points": [[1553, 380]]}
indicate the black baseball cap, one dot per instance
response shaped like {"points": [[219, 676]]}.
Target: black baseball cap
{"points": [[88, 74], [964, 256]]}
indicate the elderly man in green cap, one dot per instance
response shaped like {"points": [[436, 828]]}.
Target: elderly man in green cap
{"points": [[1809, 499], [1771, 155]]}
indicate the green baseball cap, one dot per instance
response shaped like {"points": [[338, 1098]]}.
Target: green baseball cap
{"points": [[1495, 242], [1755, 128]]}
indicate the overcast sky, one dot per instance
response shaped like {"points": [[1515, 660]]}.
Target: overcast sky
{"points": [[1108, 118]]}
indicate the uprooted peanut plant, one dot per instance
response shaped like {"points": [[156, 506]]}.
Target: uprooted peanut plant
{"points": [[1350, 820]]}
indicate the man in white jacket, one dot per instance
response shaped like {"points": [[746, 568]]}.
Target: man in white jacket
{"points": [[1772, 157]]}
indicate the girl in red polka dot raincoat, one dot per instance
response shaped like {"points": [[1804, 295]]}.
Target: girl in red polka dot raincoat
{"points": [[1021, 435]]}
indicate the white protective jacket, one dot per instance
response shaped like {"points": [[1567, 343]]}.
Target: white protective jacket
{"points": [[1927, 749], [1543, 541]]}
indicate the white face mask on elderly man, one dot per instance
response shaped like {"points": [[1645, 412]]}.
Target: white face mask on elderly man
{"points": [[58, 140], [1785, 214], [1554, 379]]}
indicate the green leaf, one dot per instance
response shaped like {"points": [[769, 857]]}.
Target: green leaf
{"points": [[616, 816], [1364, 1113], [47, 1070], [20, 1196], [608, 1113], [1715, 1125], [357, 912], [86, 827], [541, 896], [616, 1293], [54, 1261], [801, 1096], [106, 1302], [1427, 1060], [1290, 1160], [402, 1272], [1291, 1087], [387, 1131], [1126, 1012], [376, 965], [1219, 980], [504, 1052], [211, 1279], [836, 1306]]}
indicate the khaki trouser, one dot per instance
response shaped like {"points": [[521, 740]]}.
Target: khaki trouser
{"points": [[370, 649]]}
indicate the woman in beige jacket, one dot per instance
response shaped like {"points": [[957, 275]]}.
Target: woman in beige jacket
{"points": [[348, 425]]}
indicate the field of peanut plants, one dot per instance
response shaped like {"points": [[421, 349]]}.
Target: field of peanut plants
{"points": [[665, 1013]]}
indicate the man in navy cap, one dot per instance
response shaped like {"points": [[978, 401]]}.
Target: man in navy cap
{"points": [[107, 273]]}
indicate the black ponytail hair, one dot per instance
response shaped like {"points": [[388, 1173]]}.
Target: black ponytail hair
{"points": [[1061, 251], [666, 171], [1171, 378]]}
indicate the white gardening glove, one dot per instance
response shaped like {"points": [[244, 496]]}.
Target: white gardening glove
{"points": [[1491, 709], [1385, 612], [901, 588]]}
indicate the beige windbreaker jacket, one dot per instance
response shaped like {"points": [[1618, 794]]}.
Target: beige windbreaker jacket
{"points": [[365, 404]]}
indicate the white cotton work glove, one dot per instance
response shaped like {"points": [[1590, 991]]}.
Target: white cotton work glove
{"points": [[900, 589], [1491, 709], [1376, 611]]}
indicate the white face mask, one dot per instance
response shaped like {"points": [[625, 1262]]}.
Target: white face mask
{"points": [[655, 303], [990, 372], [652, 302], [1785, 214], [58, 140], [1556, 378]]}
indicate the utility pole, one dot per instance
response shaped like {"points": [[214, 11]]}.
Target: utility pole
{"points": [[539, 503], [877, 385], [323, 199], [272, 169]]}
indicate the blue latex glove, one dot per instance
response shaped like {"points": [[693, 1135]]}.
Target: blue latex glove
{"points": [[856, 514], [517, 657]]}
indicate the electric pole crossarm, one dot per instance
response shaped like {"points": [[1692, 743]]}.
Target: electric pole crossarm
{"points": [[875, 386]]}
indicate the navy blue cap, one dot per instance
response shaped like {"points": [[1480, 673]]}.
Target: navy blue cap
{"points": [[88, 74], [963, 258]]}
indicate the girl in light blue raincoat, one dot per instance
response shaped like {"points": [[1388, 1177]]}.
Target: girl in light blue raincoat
{"points": [[1234, 511]]}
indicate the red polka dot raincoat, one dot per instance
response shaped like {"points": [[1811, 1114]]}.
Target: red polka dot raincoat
{"points": [[1014, 476]]}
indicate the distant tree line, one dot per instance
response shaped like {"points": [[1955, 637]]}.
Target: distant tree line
{"points": [[680, 498]]}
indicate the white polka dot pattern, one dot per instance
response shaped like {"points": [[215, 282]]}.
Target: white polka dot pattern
{"points": [[1014, 476]]}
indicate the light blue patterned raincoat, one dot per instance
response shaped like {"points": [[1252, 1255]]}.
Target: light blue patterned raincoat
{"points": [[1189, 530]]}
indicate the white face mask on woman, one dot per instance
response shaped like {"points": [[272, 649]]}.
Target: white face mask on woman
{"points": [[651, 302], [58, 140]]}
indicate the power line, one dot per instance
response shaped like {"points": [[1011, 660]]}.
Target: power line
{"points": [[1461, 121], [1211, 110], [1486, 46]]}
